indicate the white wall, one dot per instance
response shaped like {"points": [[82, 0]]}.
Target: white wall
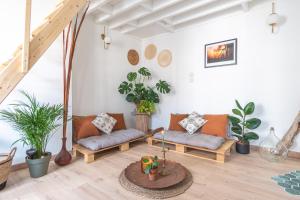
{"points": [[45, 78], [98, 72], [267, 71]]}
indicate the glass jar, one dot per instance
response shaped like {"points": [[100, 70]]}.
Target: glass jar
{"points": [[272, 149]]}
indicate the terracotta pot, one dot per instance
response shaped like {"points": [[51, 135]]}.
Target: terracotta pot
{"points": [[153, 174], [144, 164]]}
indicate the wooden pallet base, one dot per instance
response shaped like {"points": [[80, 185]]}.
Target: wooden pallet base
{"points": [[218, 155], [89, 155]]}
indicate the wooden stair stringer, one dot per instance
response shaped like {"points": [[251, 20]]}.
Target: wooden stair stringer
{"points": [[11, 72]]}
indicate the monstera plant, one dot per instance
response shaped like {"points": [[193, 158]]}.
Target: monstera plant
{"points": [[243, 126], [143, 96]]}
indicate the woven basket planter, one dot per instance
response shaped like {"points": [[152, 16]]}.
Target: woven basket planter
{"points": [[142, 121], [5, 167]]}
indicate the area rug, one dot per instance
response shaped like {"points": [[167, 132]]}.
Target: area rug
{"points": [[290, 182], [157, 194]]}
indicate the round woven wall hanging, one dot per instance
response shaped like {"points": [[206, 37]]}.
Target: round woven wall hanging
{"points": [[150, 51], [164, 58], [133, 57]]}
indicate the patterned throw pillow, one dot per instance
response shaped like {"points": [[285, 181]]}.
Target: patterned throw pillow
{"points": [[192, 123], [104, 122]]}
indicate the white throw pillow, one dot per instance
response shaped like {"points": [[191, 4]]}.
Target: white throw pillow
{"points": [[104, 122], [192, 123]]}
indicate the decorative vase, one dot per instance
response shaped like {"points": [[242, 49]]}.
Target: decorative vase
{"points": [[144, 163], [38, 167], [142, 122], [272, 149], [153, 174], [63, 157], [242, 147]]}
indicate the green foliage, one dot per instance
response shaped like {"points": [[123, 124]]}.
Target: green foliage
{"points": [[241, 125], [137, 91], [152, 165], [147, 107], [35, 122]]}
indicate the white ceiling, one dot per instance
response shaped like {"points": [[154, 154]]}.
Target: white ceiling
{"points": [[145, 18]]}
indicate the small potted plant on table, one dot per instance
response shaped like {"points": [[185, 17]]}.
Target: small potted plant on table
{"points": [[143, 96], [35, 123], [152, 169], [242, 127]]}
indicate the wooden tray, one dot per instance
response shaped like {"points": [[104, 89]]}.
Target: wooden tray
{"points": [[177, 173]]}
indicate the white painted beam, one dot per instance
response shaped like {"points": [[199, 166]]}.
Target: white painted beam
{"points": [[245, 6], [138, 14], [177, 9], [167, 27], [147, 5], [95, 5], [202, 13], [120, 8], [107, 9]]}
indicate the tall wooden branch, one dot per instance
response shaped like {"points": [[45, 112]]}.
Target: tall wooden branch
{"points": [[64, 157]]}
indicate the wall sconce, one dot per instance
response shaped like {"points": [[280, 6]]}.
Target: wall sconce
{"points": [[273, 19], [105, 38]]}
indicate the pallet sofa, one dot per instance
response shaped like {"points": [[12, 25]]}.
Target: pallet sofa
{"points": [[95, 142], [202, 145]]}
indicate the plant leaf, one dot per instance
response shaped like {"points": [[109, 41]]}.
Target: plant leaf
{"points": [[238, 105], [249, 108], [125, 87], [131, 76], [131, 98], [144, 72], [236, 129], [251, 136], [237, 112], [163, 87], [234, 120], [253, 123]]}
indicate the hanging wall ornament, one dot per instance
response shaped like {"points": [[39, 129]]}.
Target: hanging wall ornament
{"points": [[150, 51], [164, 58], [133, 57]]}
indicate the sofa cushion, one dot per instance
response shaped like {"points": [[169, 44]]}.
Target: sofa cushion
{"points": [[216, 125], [174, 122], [83, 127], [116, 137], [104, 122], [197, 139], [192, 123], [120, 121]]}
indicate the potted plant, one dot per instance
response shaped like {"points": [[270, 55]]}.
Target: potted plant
{"points": [[242, 127], [35, 123], [152, 169], [142, 95], [145, 160]]}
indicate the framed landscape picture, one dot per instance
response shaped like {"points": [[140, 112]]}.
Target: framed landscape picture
{"points": [[221, 53]]}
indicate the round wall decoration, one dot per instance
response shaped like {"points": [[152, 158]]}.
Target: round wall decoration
{"points": [[150, 51], [133, 57], [164, 58]]}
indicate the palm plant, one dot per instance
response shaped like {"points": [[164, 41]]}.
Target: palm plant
{"points": [[35, 122], [138, 92]]}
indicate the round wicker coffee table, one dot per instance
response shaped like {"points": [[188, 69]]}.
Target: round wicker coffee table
{"points": [[177, 181]]}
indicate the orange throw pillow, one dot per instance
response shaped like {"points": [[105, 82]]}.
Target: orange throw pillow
{"points": [[84, 128], [120, 121], [174, 120], [216, 125]]}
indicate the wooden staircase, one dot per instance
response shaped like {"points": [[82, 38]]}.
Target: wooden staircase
{"points": [[11, 71]]}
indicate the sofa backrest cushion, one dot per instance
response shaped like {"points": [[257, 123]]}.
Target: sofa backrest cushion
{"points": [[120, 121], [174, 122], [216, 125], [83, 127]]}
